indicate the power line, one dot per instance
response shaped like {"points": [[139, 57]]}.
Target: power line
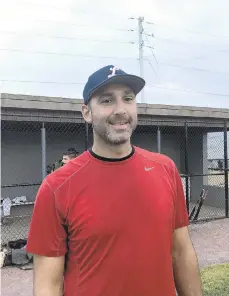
{"points": [[151, 48], [203, 34], [189, 90], [70, 24], [41, 82], [181, 52], [63, 37], [64, 54], [51, 6], [188, 43], [181, 66], [69, 8], [106, 57], [108, 41], [82, 83], [189, 57], [182, 90], [151, 66], [194, 69], [168, 50], [140, 51]]}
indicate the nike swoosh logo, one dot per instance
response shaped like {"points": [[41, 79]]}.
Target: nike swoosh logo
{"points": [[148, 169]]}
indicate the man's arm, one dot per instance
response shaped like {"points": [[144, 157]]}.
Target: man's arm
{"points": [[48, 276], [185, 264], [47, 242]]}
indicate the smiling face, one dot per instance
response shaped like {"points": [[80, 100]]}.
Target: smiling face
{"points": [[112, 111]]}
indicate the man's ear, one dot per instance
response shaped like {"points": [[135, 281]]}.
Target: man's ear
{"points": [[86, 112]]}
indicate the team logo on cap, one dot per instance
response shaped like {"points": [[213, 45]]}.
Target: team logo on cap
{"points": [[113, 70]]}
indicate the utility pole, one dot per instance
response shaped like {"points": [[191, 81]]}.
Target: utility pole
{"points": [[141, 44]]}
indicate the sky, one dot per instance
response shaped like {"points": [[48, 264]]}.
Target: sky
{"points": [[51, 47]]}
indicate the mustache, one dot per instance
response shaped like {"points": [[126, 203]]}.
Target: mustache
{"points": [[120, 119]]}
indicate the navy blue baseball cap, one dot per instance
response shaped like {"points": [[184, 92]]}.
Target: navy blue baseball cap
{"points": [[109, 75]]}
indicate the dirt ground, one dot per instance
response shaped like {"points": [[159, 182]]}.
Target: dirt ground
{"points": [[210, 240]]}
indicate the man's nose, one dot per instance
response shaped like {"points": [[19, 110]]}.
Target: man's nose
{"points": [[119, 107]]}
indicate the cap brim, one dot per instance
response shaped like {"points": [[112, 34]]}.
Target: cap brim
{"points": [[134, 82]]}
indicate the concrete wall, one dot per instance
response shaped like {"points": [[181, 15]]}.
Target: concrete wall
{"points": [[195, 163], [170, 146], [20, 162], [215, 196]]}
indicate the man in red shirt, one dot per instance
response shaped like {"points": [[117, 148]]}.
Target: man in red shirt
{"points": [[113, 221]]}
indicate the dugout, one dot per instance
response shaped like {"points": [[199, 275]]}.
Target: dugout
{"points": [[37, 130]]}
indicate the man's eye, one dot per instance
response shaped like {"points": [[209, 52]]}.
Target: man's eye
{"points": [[129, 98], [106, 101]]}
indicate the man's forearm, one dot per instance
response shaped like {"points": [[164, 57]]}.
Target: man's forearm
{"points": [[48, 276], [187, 274], [49, 289]]}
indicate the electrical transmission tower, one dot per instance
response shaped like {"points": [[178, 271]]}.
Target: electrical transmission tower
{"points": [[140, 51]]}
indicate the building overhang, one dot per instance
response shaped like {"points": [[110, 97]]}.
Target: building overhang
{"points": [[16, 107]]}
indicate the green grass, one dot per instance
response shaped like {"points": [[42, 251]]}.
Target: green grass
{"points": [[215, 280]]}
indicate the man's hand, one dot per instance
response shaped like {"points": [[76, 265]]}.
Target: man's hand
{"points": [[185, 264], [48, 275]]}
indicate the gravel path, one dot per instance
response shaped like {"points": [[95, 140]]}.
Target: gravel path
{"points": [[210, 240]]}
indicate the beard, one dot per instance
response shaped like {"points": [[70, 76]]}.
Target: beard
{"points": [[113, 133]]}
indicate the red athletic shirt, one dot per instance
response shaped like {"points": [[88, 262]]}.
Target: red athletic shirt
{"points": [[114, 221]]}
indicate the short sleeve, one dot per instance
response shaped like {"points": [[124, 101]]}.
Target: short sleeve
{"points": [[181, 213], [47, 235]]}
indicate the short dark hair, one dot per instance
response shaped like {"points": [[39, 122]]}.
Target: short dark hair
{"points": [[71, 153], [72, 150]]}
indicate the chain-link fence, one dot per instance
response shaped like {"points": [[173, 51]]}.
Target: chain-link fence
{"points": [[32, 149], [208, 177]]}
